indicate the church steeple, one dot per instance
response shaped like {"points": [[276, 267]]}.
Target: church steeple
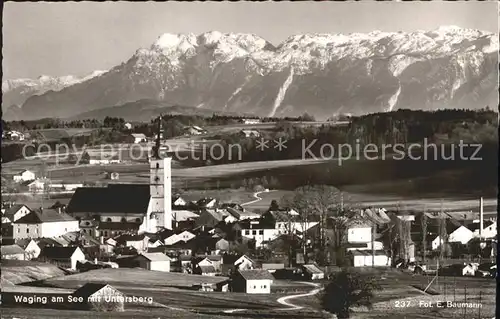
{"points": [[160, 184]]}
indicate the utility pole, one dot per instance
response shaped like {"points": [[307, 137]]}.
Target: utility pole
{"points": [[373, 244]]}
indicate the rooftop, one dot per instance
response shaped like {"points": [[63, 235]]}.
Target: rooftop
{"points": [[256, 274], [58, 252], [44, 216], [116, 198], [156, 256], [12, 250]]}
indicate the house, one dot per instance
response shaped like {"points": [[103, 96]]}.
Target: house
{"points": [[44, 223], [205, 270], [251, 121], [207, 202], [312, 272], [37, 186], [128, 126], [240, 262], [184, 236], [13, 252], [359, 230], [30, 247], [65, 257], [209, 260], [15, 212], [194, 130], [241, 214], [222, 245], [137, 138], [154, 261], [260, 235], [272, 267], [456, 233], [249, 133], [138, 242], [99, 297], [362, 258], [253, 281], [178, 201], [100, 158], [209, 218], [90, 227], [24, 176], [15, 136], [489, 229]]}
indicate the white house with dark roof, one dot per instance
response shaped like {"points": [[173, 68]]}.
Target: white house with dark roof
{"points": [[13, 252], [44, 223], [30, 247], [24, 176], [253, 281], [457, 233], [154, 261], [66, 257], [489, 229], [184, 236], [15, 212]]}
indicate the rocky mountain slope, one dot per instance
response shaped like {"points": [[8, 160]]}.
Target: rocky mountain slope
{"points": [[322, 74], [16, 92]]}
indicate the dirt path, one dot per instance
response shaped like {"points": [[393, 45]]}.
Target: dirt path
{"points": [[257, 198], [285, 300]]}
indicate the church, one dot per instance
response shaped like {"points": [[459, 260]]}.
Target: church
{"points": [[140, 208]]}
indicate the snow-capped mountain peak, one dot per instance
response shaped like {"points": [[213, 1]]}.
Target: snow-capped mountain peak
{"points": [[315, 72]]}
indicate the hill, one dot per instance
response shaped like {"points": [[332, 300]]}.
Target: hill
{"points": [[145, 110]]}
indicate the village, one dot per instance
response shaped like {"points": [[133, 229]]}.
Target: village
{"points": [[128, 226]]}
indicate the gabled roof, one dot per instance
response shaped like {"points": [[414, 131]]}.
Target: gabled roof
{"points": [[116, 198], [48, 242], [12, 250], [9, 212], [119, 226], [58, 252], [128, 237], [90, 289], [256, 274], [207, 269], [312, 269], [23, 243], [156, 256], [182, 215], [44, 216], [475, 226]]}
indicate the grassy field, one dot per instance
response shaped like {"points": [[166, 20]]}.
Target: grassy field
{"points": [[136, 277], [17, 271], [398, 297]]}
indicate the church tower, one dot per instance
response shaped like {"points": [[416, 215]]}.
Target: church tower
{"points": [[160, 189]]}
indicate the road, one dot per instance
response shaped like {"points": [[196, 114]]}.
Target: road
{"points": [[285, 301], [290, 306], [257, 198]]}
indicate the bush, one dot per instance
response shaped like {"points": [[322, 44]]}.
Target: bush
{"points": [[347, 289]]}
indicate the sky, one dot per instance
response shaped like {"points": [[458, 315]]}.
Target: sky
{"points": [[71, 38]]}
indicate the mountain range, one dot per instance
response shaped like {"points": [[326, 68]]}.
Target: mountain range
{"points": [[321, 74]]}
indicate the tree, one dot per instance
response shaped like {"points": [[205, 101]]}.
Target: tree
{"points": [[347, 289], [317, 201], [423, 223], [274, 205]]}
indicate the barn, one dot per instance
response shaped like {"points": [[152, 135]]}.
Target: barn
{"points": [[253, 281], [154, 261], [100, 297]]}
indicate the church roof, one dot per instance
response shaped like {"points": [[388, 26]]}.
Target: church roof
{"points": [[116, 198]]}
